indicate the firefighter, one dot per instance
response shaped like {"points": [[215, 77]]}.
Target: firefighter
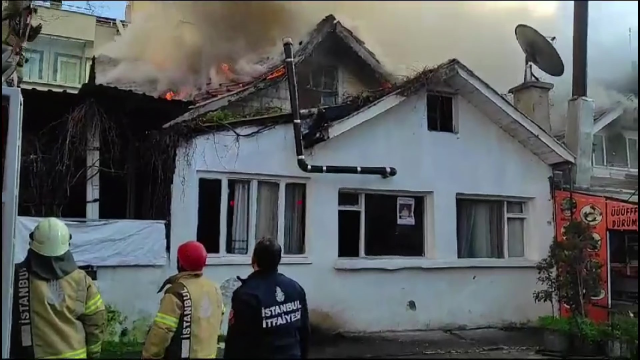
{"points": [[269, 317], [57, 309], [188, 322]]}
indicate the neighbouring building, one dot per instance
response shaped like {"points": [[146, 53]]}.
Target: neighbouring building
{"points": [[59, 58], [606, 177]]}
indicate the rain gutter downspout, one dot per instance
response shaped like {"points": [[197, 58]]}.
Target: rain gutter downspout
{"points": [[385, 172]]}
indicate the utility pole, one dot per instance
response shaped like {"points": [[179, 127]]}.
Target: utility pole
{"points": [[580, 34], [579, 130]]}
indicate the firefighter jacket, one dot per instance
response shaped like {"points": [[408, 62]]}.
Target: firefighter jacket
{"points": [[57, 310], [269, 319], [188, 322]]}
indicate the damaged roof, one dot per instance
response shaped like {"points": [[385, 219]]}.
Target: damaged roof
{"points": [[327, 123], [277, 73], [211, 99]]}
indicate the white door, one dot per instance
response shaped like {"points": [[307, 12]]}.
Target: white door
{"points": [[12, 138]]}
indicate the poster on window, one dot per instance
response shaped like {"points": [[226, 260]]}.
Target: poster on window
{"points": [[405, 211]]}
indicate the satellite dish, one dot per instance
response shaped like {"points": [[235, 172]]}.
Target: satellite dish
{"points": [[538, 50]]}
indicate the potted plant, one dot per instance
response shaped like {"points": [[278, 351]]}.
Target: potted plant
{"points": [[623, 337], [556, 333], [571, 277], [588, 338]]}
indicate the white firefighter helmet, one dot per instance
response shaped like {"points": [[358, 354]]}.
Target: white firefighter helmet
{"points": [[51, 237]]}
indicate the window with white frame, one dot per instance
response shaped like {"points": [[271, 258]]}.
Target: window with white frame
{"points": [[490, 228], [34, 64], [235, 212], [67, 69], [377, 224], [616, 150]]}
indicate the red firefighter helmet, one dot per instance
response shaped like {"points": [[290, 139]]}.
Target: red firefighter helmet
{"points": [[192, 256]]}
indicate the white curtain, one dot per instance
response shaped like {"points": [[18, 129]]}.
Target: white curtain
{"points": [[240, 228], [515, 230], [480, 229], [267, 213], [294, 219]]}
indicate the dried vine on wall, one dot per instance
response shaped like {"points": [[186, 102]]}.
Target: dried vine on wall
{"points": [[54, 159]]}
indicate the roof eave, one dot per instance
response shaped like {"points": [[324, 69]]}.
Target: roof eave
{"points": [[365, 114], [607, 118], [517, 124]]}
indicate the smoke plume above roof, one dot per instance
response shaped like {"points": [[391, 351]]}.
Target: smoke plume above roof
{"points": [[184, 43]]}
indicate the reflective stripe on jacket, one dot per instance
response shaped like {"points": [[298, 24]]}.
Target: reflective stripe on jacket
{"points": [[199, 314], [66, 315]]}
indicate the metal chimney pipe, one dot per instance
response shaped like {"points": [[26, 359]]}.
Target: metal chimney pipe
{"points": [[385, 172], [580, 32]]}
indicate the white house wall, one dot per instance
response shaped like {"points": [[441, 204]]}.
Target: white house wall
{"points": [[133, 290], [481, 160]]}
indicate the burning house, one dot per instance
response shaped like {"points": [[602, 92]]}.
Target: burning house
{"points": [[408, 192], [394, 207]]}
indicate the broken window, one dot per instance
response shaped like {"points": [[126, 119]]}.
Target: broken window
{"points": [[615, 150], [318, 86], [252, 213], [490, 229], [440, 113], [380, 225]]}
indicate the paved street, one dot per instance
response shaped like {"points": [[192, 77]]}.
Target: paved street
{"points": [[481, 343]]}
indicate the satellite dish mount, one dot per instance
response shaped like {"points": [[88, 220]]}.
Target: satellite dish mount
{"points": [[538, 51], [528, 71]]}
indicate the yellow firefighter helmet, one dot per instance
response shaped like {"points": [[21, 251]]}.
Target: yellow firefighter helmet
{"points": [[51, 237]]}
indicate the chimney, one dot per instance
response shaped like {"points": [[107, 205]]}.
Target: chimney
{"points": [[579, 137], [532, 98], [127, 12]]}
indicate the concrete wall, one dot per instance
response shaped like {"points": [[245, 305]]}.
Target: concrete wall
{"points": [[132, 290], [447, 291], [66, 33]]}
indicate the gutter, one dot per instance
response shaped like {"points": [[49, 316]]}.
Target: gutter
{"points": [[385, 172]]}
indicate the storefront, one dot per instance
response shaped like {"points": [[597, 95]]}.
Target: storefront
{"points": [[615, 225]]}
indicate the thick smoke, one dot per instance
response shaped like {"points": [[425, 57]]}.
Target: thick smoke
{"points": [[184, 43]]}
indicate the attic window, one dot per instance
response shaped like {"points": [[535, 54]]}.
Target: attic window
{"points": [[440, 113], [319, 86]]}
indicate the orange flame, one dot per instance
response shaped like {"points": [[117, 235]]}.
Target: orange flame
{"points": [[226, 70], [170, 95], [276, 73]]}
